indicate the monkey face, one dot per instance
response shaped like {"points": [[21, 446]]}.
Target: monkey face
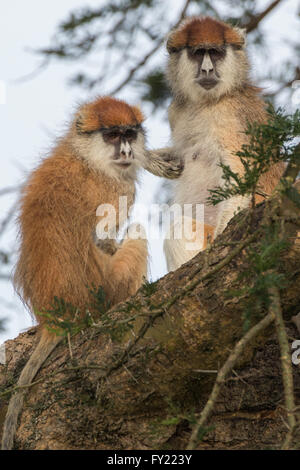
{"points": [[206, 72], [117, 150], [121, 139], [207, 60]]}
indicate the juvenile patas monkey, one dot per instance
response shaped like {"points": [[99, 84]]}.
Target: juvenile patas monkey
{"points": [[95, 163], [213, 100]]}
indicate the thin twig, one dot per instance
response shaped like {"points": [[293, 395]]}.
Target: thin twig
{"points": [[285, 85], [8, 218], [226, 368], [56, 372], [145, 59], [12, 189], [287, 373], [33, 73], [254, 22]]}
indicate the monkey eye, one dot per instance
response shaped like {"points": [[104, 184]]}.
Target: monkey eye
{"points": [[198, 52], [111, 136], [216, 53], [130, 135]]}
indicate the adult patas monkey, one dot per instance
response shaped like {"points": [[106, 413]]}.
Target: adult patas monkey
{"points": [[213, 100], [95, 163]]}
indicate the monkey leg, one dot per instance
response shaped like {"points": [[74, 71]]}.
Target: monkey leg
{"points": [[180, 249], [177, 254], [163, 162], [227, 209]]}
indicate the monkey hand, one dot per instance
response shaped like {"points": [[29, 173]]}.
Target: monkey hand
{"points": [[164, 163], [108, 245]]}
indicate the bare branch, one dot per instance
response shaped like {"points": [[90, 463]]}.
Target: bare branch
{"points": [[224, 371], [34, 72], [285, 85], [287, 373], [145, 59], [12, 189], [8, 218], [254, 22]]}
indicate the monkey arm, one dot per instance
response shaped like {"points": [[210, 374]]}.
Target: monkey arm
{"points": [[163, 162]]}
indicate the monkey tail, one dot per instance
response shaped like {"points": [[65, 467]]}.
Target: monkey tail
{"points": [[46, 345]]}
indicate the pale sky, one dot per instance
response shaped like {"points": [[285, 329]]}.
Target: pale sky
{"points": [[35, 110]]}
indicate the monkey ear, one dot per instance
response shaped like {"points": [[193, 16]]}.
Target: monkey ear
{"points": [[79, 124], [138, 114], [170, 42], [242, 32], [235, 36], [85, 121]]}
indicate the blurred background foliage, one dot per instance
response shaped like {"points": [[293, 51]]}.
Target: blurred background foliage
{"points": [[118, 48], [120, 44]]}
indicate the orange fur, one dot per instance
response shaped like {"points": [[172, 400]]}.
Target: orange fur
{"points": [[107, 112], [208, 234], [58, 256], [203, 30]]}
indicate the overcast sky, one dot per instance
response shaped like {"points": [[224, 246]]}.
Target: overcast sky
{"points": [[35, 110]]}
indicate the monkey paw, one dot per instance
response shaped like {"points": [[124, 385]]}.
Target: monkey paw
{"points": [[173, 168], [163, 164], [109, 246]]}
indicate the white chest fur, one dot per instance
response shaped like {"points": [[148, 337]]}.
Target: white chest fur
{"points": [[196, 140]]}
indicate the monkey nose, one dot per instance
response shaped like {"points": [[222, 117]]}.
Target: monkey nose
{"points": [[207, 71], [207, 65], [125, 151], [125, 154]]}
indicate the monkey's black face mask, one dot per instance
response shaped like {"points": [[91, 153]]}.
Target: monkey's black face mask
{"points": [[207, 60], [121, 138]]}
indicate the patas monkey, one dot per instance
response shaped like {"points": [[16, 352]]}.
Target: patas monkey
{"points": [[213, 99], [95, 163]]}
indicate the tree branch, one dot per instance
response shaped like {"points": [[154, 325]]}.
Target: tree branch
{"points": [[190, 324], [254, 22], [222, 374], [145, 59], [12, 189], [287, 374], [8, 218]]}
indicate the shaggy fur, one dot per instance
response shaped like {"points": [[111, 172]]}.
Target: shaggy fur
{"points": [[58, 256], [58, 216], [205, 31], [187, 246], [107, 112], [208, 125]]}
